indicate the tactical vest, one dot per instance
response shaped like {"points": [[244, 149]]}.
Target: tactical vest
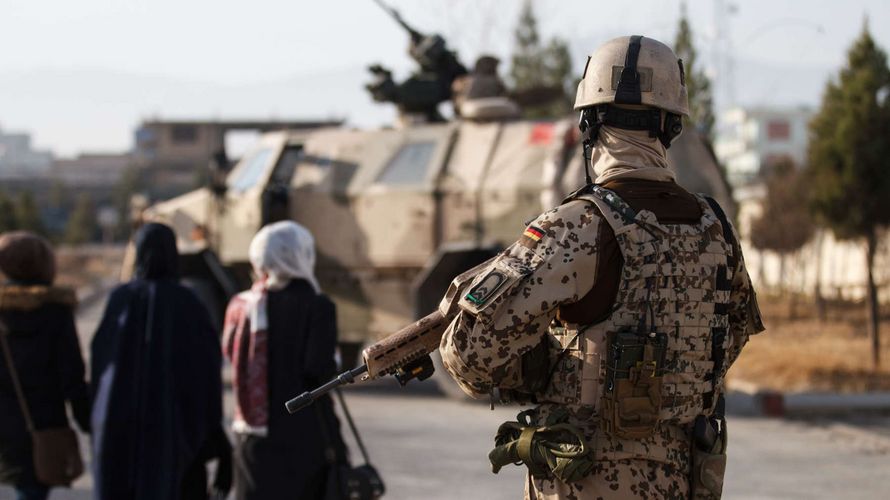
{"points": [[675, 281]]}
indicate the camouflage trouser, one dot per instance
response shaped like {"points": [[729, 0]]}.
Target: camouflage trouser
{"points": [[621, 480]]}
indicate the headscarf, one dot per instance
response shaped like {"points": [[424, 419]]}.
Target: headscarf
{"points": [[284, 251], [279, 253], [27, 258], [156, 255], [620, 153]]}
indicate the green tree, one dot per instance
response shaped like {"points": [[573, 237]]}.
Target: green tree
{"points": [[849, 156], [541, 74], [785, 225], [8, 221], [58, 194], [130, 183], [698, 85], [27, 215], [82, 226]]}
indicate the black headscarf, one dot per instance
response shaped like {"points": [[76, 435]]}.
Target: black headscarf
{"points": [[156, 255], [155, 376]]}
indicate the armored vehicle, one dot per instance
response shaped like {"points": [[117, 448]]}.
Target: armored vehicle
{"points": [[396, 212]]}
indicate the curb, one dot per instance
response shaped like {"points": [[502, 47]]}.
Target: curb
{"points": [[747, 399]]}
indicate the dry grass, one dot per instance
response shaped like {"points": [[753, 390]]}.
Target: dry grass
{"points": [[800, 352], [80, 267]]}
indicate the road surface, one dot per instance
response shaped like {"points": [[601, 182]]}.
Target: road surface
{"points": [[428, 447]]}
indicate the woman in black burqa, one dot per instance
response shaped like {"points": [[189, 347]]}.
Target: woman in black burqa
{"points": [[157, 407], [44, 348], [280, 336]]}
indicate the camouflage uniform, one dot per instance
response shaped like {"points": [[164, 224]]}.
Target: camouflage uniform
{"points": [[703, 293]]}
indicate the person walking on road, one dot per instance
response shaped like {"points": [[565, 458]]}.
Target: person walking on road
{"points": [[618, 311], [280, 337], [37, 322], [157, 388]]}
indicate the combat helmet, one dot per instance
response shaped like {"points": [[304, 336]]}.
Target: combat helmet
{"points": [[630, 82]]}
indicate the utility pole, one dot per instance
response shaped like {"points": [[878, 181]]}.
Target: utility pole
{"points": [[724, 62]]}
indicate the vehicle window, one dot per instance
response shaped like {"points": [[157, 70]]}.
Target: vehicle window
{"points": [[409, 165], [252, 171], [287, 163]]}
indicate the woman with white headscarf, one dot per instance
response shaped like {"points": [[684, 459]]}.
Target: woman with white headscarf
{"points": [[280, 337]]}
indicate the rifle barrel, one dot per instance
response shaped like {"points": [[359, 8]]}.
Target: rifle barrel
{"points": [[303, 400], [415, 35]]}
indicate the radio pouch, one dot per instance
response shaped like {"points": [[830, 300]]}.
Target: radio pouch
{"points": [[632, 391]]}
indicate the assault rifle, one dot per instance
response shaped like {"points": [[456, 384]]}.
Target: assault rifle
{"points": [[405, 354]]}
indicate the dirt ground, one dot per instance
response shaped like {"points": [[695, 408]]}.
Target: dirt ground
{"points": [[800, 352], [86, 266]]}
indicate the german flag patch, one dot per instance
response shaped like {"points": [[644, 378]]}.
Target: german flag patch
{"points": [[531, 237]]}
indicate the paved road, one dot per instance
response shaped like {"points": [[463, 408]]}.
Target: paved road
{"points": [[428, 447], [432, 448]]}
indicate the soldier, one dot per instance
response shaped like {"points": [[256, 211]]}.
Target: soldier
{"points": [[618, 312], [481, 83]]}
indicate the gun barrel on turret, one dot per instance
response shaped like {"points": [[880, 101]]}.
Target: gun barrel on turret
{"points": [[416, 36]]}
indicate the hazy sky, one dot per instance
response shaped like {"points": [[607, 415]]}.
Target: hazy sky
{"points": [[79, 75]]}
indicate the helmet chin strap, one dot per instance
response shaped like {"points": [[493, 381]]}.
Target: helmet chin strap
{"points": [[590, 129], [593, 118]]}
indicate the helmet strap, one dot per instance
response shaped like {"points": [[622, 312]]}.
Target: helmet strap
{"points": [[649, 120], [628, 91], [589, 124]]}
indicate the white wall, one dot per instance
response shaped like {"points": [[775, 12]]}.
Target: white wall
{"points": [[839, 266]]}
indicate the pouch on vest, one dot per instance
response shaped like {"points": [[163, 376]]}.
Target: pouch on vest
{"points": [[535, 370], [708, 458], [632, 393], [556, 450]]}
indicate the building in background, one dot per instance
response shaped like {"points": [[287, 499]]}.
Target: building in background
{"points": [[91, 170], [174, 154], [751, 140], [17, 158]]}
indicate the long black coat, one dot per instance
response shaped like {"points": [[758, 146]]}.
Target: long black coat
{"points": [[46, 353], [156, 380], [302, 333]]}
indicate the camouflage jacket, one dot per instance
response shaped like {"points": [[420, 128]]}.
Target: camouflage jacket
{"points": [[505, 310]]}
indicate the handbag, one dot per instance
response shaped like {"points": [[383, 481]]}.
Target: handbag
{"points": [[344, 481], [56, 452]]}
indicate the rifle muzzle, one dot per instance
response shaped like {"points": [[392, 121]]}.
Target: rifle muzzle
{"points": [[299, 402]]}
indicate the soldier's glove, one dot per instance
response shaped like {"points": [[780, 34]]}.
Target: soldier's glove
{"points": [[558, 450]]}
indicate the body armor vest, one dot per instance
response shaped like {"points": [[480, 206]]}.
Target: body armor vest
{"points": [[675, 287]]}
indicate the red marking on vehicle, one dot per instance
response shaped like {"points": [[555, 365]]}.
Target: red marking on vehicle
{"points": [[542, 133]]}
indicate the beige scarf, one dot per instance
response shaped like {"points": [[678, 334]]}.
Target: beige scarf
{"points": [[620, 153]]}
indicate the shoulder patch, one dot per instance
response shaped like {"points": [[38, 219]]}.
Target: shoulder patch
{"points": [[484, 290], [531, 237]]}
